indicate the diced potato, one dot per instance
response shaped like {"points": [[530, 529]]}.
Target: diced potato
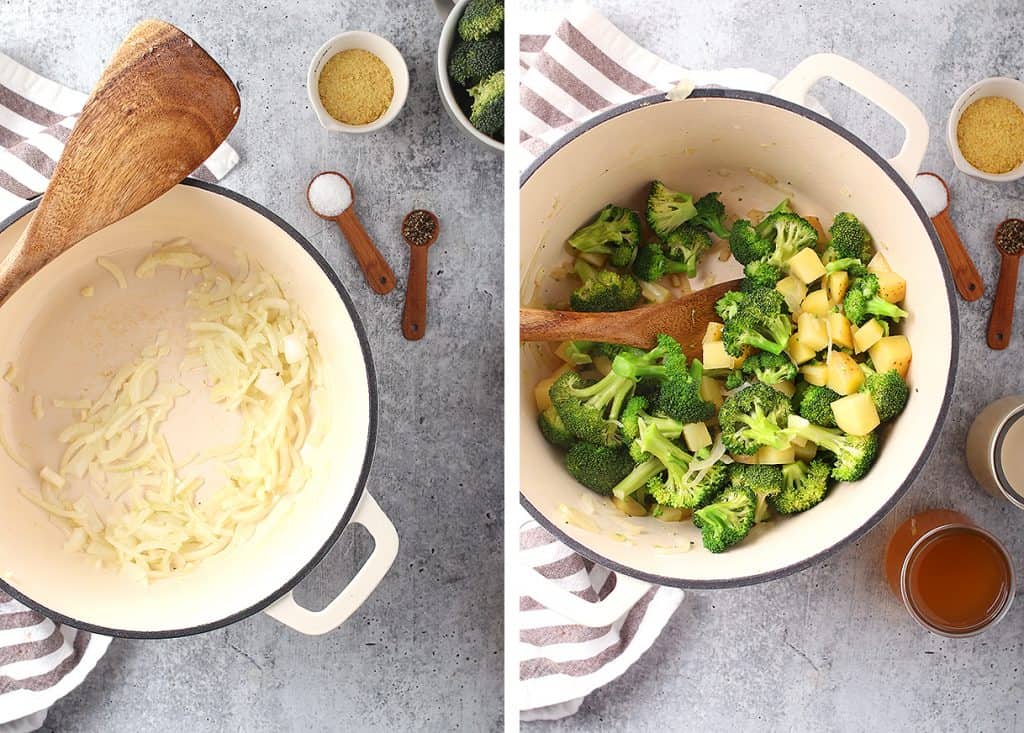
{"points": [[816, 223], [540, 392], [670, 513], [711, 391], [856, 414], [747, 351], [792, 290], [867, 336], [805, 452], [713, 332], [812, 331], [774, 457], [839, 329], [629, 506], [716, 357], [786, 387], [891, 352], [806, 266], [878, 264], [798, 351], [816, 374], [891, 287], [603, 364], [816, 303], [569, 353], [696, 436], [844, 374], [837, 283], [748, 460]]}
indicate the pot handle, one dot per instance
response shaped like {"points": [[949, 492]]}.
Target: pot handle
{"points": [[624, 595], [385, 549], [795, 85]]}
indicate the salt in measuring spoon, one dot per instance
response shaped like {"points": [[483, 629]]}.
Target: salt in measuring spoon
{"points": [[419, 229], [1009, 241], [965, 275], [334, 205]]}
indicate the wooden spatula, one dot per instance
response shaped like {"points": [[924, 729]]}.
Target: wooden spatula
{"points": [[684, 319], [160, 109]]}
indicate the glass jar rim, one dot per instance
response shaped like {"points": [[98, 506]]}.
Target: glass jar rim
{"points": [[1011, 494]]}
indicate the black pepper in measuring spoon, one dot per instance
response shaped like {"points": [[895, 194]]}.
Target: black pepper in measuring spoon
{"points": [[419, 226], [419, 230]]}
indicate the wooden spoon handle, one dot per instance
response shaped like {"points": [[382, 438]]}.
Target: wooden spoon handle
{"points": [[968, 281], [376, 269], [623, 327], [414, 316], [1000, 322]]}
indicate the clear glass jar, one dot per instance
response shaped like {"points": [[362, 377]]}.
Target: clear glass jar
{"points": [[995, 449]]}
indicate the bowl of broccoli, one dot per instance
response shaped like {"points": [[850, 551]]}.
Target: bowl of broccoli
{"points": [[818, 392], [471, 70]]}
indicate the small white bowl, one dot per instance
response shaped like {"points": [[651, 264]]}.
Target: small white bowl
{"points": [[996, 86], [448, 37], [368, 42]]}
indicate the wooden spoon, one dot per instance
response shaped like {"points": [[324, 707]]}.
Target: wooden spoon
{"points": [[1009, 241], [160, 109], [414, 317], [965, 275], [376, 270], [684, 319]]}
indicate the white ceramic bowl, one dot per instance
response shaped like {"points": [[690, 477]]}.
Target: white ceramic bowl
{"points": [[368, 42], [449, 34], [996, 86]]}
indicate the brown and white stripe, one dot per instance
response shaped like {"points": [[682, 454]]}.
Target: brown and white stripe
{"points": [[35, 653], [36, 117]]}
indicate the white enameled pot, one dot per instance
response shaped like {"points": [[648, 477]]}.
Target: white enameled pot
{"points": [[62, 342], [755, 149]]}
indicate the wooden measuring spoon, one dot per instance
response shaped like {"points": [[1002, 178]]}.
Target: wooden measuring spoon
{"points": [[965, 275], [1009, 241], [376, 269], [161, 107], [684, 319], [414, 316]]}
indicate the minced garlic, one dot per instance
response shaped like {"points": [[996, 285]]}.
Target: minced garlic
{"points": [[355, 87], [990, 134]]}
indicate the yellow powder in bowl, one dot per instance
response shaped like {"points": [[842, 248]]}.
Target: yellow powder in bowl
{"points": [[355, 87], [990, 134]]}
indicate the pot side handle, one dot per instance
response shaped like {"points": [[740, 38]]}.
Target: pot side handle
{"points": [[795, 85], [385, 549], [624, 595]]}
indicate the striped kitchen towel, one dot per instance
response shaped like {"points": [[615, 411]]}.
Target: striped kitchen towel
{"points": [[575, 66], [36, 117]]}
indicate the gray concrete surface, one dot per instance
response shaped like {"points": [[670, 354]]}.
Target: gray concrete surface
{"points": [[424, 653], [829, 649]]}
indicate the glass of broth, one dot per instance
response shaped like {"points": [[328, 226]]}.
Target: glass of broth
{"points": [[955, 578]]}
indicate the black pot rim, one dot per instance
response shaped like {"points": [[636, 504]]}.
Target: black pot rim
{"points": [[371, 438], [699, 584]]}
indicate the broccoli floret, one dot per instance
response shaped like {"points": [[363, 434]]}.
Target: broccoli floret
{"points": [[854, 454], [764, 480], [814, 403], [851, 265], [754, 417], [769, 368], [711, 214], [728, 306], [849, 238], [727, 520], [760, 274], [481, 18], [804, 485], [780, 208], [789, 233], [678, 394], [734, 379], [603, 290], [667, 210], [638, 478], [686, 245], [488, 111], [745, 243], [598, 467], [615, 232], [591, 411], [679, 488], [472, 61], [651, 263], [610, 351], [761, 321], [554, 430], [636, 410], [888, 390], [862, 302]]}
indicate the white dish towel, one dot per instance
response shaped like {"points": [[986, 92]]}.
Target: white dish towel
{"points": [[574, 67]]}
